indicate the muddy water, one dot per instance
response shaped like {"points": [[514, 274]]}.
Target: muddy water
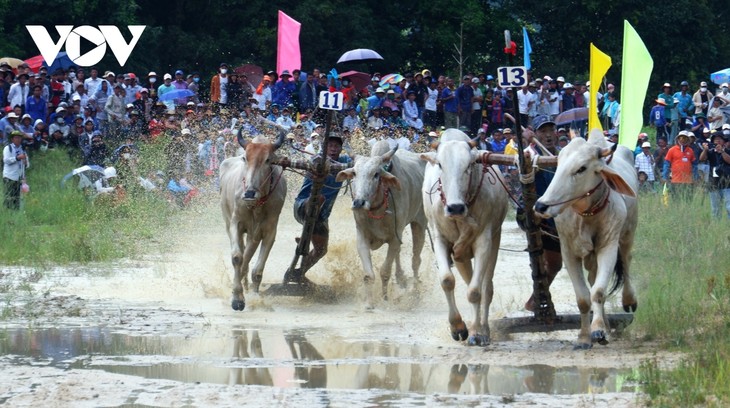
{"points": [[294, 359]]}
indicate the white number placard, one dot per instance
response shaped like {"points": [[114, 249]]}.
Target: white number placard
{"points": [[330, 100], [512, 77]]}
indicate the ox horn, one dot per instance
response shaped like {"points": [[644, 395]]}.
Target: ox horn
{"points": [[474, 142], [607, 151], [241, 140], [280, 140], [387, 156]]}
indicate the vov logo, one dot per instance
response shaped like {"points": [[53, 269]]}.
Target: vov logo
{"points": [[101, 37]]}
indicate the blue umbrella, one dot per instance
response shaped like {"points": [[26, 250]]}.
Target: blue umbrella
{"points": [[176, 94], [360, 54], [62, 61], [721, 76]]}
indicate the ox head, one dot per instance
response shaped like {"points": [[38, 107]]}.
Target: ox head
{"points": [[258, 155], [454, 156], [581, 168], [369, 175]]}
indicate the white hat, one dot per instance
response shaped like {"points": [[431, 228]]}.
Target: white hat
{"points": [[26, 116], [703, 83], [107, 73], [186, 131], [475, 80], [390, 91], [724, 84], [76, 98], [167, 76], [588, 83], [432, 134], [12, 115], [705, 130], [568, 85], [60, 109], [547, 78], [667, 85], [560, 79], [646, 144], [152, 73], [191, 103], [313, 135], [110, 172], [129, 105], [380, 90], [726, 126]]}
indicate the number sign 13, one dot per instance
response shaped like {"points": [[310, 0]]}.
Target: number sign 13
{"points": [[515, 77], [330, 100]]}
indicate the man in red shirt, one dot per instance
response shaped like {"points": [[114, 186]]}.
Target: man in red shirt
{"points": [[679, 160], [57, 88]]}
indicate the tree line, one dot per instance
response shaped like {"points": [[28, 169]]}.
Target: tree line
{"points": [[687, 39]]}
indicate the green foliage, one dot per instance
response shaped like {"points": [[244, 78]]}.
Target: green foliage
{"points": [[60, 225], [680, 260]]}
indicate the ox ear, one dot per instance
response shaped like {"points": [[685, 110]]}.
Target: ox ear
{"points": [[346, 174], [616, 182], [429, 157], [390, 180]]}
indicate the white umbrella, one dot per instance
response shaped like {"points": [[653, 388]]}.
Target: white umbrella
{"points": [[360, 54]]}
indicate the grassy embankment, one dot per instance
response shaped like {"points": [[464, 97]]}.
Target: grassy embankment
{"points": [[60, 225], [682, 264]]}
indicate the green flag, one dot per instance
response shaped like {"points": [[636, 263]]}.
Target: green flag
{"points": [[635, 73]]}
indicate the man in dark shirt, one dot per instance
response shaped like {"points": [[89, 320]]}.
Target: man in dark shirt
{"points": [[464, 95]]}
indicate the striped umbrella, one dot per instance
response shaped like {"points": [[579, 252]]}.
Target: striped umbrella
{"points": [[391, 79]]}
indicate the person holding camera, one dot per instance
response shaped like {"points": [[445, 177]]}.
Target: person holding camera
{"points": [[718, 157], [15, 160]]}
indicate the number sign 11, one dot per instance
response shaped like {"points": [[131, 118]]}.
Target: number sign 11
{"points": [[330, 100]]}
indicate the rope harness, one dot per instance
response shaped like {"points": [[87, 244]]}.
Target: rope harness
{"points": [[272, 186], [486, 167]]}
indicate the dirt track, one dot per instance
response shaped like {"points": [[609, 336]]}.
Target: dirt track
{"points": [[183, 345]]}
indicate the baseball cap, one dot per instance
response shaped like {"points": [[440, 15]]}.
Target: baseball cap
{"points": [[568, 85], [144, 90], [475, 80], [178, 72], [703, 83], [541, 121], [152, 73], [726, 126], [186, 131], [167, 76], [58, 110], [560, 79], [684, 83], [646, 144], [667, 85]]}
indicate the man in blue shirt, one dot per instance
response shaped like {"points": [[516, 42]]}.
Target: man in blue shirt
{"points": [[376, 101], [685, 105], [328, 195], [658, 120], [35, 105], [464, 95], [281, 93], [448, 98]]}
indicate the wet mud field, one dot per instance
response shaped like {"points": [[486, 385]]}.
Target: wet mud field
{"points": [[158, 330]]}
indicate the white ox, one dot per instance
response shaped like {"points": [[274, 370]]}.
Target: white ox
{"points": [[465, 205], [252, 195], [385, 199], [592, 197]]}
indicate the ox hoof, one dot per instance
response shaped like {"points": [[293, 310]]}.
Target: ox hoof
{"points": [[631, 308], [583, 346], [599, 336], [480, 340], [460, 335], [238, 304]]}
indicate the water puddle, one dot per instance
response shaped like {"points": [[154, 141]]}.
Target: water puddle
{"points": [[295, 359]]}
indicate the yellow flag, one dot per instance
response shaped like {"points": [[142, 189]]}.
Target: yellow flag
{"points": [[600, 63], [635, 72]]}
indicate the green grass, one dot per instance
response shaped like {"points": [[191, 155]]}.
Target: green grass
{"points": [[682, 265], [60, 225]]}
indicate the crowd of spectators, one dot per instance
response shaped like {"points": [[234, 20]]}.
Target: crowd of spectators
{"points": [[103, 118]]}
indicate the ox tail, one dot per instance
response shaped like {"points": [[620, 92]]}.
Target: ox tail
{"points": [[618, 274]]}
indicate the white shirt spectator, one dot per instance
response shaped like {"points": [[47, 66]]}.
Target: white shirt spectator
{"points": [[91, 84], [524, 100], [430, 103], [12, 168], [375, 122], [17, 95], [285, 121], [264, 98], [351, 122], [224, 93]]}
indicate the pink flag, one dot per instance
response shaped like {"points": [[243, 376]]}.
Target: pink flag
{"points": [[288, 55]]}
